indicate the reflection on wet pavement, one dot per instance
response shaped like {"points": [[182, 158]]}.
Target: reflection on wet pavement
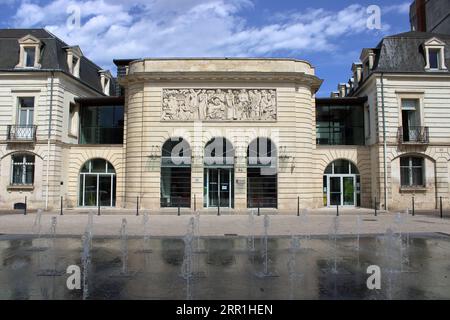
{"points": [[227, 268]]}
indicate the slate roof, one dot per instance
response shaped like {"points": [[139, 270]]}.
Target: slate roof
{"points": [[404, 52], [53, 55]]}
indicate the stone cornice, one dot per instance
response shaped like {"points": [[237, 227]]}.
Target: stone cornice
{"points": [[227, 76]]}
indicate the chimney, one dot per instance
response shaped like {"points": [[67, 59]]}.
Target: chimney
{"points": [[334, 94], [351, 83], [357, 68], [421, 15], [342, 88]]}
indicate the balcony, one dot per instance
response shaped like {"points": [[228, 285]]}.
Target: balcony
{"points": [[21, 133], [413, 135]]}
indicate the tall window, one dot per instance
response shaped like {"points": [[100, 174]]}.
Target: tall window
{"points": [[101, 125], [340, 125], [410, 119], [22, 169], [412, 172], [30, 56]]}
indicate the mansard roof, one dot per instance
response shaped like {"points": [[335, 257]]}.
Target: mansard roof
{"points": [[404, 52], [54, 55]]}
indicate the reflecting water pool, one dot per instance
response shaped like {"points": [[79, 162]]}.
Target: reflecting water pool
{"points": [[335, 267]]}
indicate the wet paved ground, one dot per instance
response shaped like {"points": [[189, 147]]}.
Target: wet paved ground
{"points": [[211, 225], [412, 267]]}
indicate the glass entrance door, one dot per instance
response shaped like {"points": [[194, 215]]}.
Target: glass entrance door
{"points": [[348, 184], [219, 188], [334, 197], [341, 190]]}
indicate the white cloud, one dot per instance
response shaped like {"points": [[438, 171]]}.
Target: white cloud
{"points": [[402, 8], [169, 28]]}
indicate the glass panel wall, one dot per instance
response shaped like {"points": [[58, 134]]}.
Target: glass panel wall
{"points": [[101, 125], [340, 125]]}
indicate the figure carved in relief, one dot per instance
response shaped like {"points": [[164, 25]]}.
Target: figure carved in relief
{"points": [[202, 104], [231, 109], [218, 104]]}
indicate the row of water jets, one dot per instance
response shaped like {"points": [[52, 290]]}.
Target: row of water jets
{"points": [[396, 245]]}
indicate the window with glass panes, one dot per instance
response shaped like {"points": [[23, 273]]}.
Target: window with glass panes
{"points": [[412, 171], [22, 169]]}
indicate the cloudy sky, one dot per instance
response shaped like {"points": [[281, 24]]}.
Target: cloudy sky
{"points": [[330, 34]]}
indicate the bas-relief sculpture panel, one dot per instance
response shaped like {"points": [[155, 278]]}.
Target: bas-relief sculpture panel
{"points": [[219, 104]]}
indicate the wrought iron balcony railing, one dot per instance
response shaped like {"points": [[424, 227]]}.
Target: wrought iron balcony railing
{"points": [[21, 133], [413, 135]]}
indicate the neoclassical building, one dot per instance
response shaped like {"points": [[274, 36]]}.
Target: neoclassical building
{"points": [[228, 133], [239, 134], [40, 78], [406, 81]]}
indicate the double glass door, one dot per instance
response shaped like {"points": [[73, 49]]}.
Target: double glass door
{"points": [[219, 188], [341, 190], [97, 190]]}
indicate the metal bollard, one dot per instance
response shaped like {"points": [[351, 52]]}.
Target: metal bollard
{"points": [[413, 209], [440, 207], [137, 206], [298, 206], [61, 206], [25, 208], [337, 210], [195, 203], [376, 206]]}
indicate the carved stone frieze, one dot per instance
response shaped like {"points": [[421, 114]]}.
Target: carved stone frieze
{"points": [[219, 104]]}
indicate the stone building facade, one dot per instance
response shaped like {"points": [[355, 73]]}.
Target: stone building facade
{"points": [[228, 133], [407, 84]]}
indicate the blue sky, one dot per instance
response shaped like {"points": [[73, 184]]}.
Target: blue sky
{"points": [[329, 34]]}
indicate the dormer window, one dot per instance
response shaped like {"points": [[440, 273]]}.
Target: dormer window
{"points": [[105, 81], [30, 52], [74, 55], [434, 55]]}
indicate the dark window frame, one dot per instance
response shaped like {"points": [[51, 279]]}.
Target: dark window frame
{"points": [[96, 133], [335, 129]]}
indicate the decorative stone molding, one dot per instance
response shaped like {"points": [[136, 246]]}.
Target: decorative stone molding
{"points": [[74, 55], [105, 80], [436, 44], [219, 104], [29, 41]]}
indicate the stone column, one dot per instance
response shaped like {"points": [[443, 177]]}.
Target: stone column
{"points": [[197, 182], [240, 182]]}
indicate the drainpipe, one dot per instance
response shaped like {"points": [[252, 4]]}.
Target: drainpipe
{"points": [[48, 139], [384, 145]]}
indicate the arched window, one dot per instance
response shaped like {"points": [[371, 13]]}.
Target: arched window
{"points": [[262, 177], [219, 173], [412, 171], [341, 184], [97, 184], [22, 169], [176, 173]]}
